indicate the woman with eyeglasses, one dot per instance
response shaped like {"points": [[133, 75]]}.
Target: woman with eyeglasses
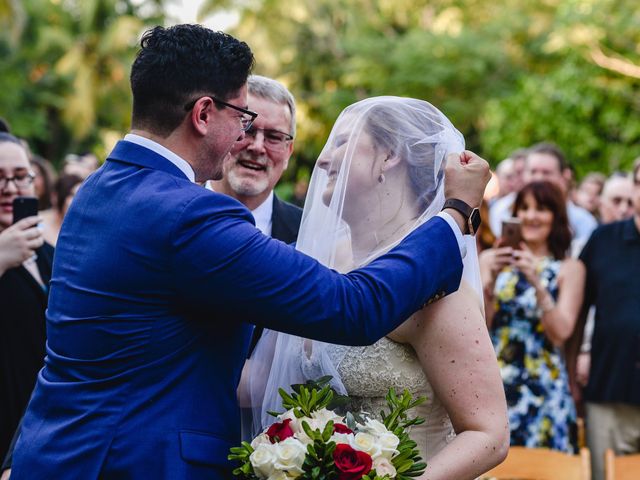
{"points": [[25, 269]]}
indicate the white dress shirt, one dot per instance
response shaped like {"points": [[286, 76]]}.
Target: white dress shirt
{"points": [[262, 214], [178, 161]]}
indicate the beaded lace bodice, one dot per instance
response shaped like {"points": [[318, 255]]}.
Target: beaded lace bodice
{"points": [[369, 372]]}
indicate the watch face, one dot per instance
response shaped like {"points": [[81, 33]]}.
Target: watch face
{"points": [[474, 219]]}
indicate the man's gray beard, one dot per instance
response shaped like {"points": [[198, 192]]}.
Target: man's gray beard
{"points": [[247, 187]]}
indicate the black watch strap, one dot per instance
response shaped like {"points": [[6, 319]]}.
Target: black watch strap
{"points": [[470, 214]]}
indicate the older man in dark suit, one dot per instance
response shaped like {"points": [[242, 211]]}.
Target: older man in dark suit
{"points": [[258, 161]]}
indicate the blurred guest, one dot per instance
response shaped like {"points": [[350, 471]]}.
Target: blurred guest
{"points": [[612, 395], [25, 269], [81, 165], [257, 162], [546, 161], [616, 201], [43, 183], [532, 301], [501, 207], [507, 179], [65, 189], [616, 204], [588, 193]]}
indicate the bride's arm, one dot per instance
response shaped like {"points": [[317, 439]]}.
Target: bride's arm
{"points": [[451, 340]]}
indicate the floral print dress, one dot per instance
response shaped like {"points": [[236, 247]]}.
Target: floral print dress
{"points": [[541, 410]]}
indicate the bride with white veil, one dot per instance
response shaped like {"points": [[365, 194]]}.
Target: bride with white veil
{"points": [[379, 176]]}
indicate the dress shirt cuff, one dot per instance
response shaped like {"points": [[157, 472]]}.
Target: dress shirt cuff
{"points": [[456, 231]]}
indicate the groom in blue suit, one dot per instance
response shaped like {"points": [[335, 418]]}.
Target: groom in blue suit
{"points": [[140, 376]]}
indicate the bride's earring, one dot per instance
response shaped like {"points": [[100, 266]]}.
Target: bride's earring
{"points": [[381, 178]]}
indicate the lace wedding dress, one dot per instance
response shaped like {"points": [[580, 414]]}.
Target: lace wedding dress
{"points": [[369, 372]]}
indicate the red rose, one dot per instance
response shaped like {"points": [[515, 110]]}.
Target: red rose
{"points": [[279, 431], [351, 464], [341, 428]]}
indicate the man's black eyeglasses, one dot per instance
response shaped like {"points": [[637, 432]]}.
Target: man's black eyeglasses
{"points": [[246, 120]]}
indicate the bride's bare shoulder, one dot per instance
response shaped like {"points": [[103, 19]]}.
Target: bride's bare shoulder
{"points": [[460, 304]]}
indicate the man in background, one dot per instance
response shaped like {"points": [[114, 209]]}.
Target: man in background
{"points": [[612, 394], [257, 162], [616, 201]]}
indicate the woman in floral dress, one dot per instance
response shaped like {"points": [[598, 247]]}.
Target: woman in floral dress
{"points": [[533, 298]]}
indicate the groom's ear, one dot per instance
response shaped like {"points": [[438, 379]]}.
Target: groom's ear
{"points": [[200, 115]]}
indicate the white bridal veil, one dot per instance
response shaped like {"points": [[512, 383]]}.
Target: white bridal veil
{"points": [[379, 176]]}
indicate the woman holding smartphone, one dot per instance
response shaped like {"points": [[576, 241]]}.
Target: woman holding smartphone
{"points": [[532, 300], [25, 269]]}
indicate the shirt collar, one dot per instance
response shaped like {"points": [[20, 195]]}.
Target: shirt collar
{"points": [[630, 231], [263, 215], [178, 161]]}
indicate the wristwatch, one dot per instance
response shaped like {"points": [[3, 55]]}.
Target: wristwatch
{"points": [[471, 215]]}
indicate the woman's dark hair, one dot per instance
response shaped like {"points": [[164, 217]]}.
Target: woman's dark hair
{"points": [[179, 62], [63, 188], [45, 171], [549, 197]]}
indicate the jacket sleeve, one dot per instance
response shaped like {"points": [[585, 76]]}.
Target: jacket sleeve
{"points": [[222, 263]]}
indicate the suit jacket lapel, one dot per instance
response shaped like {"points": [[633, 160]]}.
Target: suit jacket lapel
{"points": [[284, 226]]}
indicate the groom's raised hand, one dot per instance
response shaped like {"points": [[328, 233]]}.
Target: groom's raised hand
{"points": [[466, 177]]}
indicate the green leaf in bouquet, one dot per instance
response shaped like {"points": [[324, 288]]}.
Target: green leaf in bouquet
{"points": [[407, 461], [336, 402], [305, 401]]}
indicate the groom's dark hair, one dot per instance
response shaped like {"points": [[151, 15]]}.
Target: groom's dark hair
{"points": [[176, 64]]}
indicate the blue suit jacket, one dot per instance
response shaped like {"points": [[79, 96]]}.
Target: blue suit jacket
{"points": [[155, 283]]}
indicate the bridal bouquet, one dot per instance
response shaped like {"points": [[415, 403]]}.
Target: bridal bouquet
{"points": [[311, 442]]}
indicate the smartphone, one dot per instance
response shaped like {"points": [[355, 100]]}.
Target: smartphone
{"points": [[511, 233], [24, 207]]}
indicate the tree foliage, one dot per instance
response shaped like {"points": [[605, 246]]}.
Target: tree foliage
{"points": [[507, 74], [64, 75]]}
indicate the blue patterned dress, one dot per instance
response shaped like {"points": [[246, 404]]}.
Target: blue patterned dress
{"points": [[541, 410]]}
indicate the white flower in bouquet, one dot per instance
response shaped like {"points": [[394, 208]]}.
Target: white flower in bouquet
{"points": [[324, 416], [263, 459], [280, 476], [262, 439], [374, 427], [388, 444], [342, 438], [383, 467], [368, 443], [290, 455], [314, 424]]}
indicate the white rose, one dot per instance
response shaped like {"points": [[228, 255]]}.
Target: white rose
{"points": [[290, 455], [388, 443], [261, 439], [295, 422], [366, 443], [280, 476], [262, 460], [314, 424], [346, 438], [383, 467], [375, 427], [324, 415]]}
